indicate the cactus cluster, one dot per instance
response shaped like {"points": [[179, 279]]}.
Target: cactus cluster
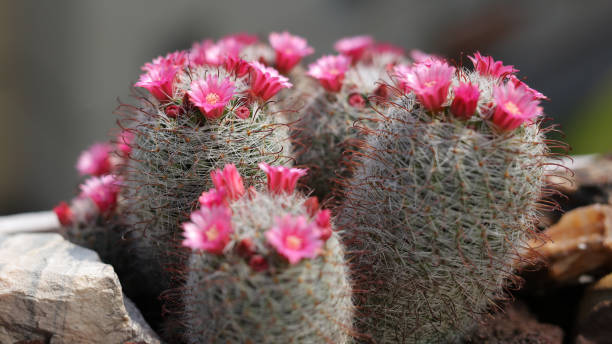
{"points": [[436, 173], [442, 201]]}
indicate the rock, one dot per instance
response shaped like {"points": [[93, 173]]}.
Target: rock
{"points": [[516, 325], [55, 292], [580, 243], [595, 313]]}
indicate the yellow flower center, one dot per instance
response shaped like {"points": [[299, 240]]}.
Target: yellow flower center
{"points": [[288, 51], [293, 242], [430, 83], [212, 233], [212, 98], [512, 108], [334, 71]]}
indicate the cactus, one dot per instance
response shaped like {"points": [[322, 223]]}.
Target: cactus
{"points": [[323, 134], [442, 200], [247, 284]]}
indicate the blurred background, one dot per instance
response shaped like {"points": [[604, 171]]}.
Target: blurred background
{"points": [[63, 64]]}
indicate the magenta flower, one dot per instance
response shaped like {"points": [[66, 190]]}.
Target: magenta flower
{"points": [[388, 48], [96, 160], [289, 50], [243, 38], [487, 66], [515, 105], [197, 54], [265, 81], [243, 112], [465, 101], [236, 65], [430, 82], [518, 84], [419, 56], [102, 191], [209, 229], [324, 225], [64, 214], [329, 71], [281, 179], [357, 101], [159, 79], [213, 198], [230, 180], [354, 47], [124, 141], [211, 95], [177, 59], [294, 238]]}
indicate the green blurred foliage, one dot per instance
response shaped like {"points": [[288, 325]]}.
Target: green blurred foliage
{"points": [[589, 129]]}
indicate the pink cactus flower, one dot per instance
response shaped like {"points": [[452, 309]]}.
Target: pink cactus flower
{"points": [[242, 112], [124, 141], [236, 65], [354, 47], [172, 110], [518, 84], [197, 54], [294, 238], [209, 229], [96, 160], [324, 225], [356, 100], [230, 180], [419, 56], [177, 59], [289, 50], [515, 105], [281, 179], [312, 206], [213, 198], [430, 82], [329, 71], [465, 101], [487, 66], [64, 214], [388, 48], [102, 191], [211, 95], [243, 38], [159, 79], [217, 53], [265, 81]]}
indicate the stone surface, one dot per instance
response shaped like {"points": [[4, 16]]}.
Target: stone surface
{"points": [[516, 325], [595, 313], [56, 292]]}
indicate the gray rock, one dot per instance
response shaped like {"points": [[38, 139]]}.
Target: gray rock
{"points": [[56, 292]]}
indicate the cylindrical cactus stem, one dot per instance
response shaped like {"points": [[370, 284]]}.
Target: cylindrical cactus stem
{"points": [[266, 268], [444, 197], [323, 133]]}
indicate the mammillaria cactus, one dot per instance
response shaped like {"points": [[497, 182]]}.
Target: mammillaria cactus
{"points": [[323, 131], [442, 200], [208, 107], [266, 266]]}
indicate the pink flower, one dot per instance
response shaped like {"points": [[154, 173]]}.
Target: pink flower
{"points": [[242, 112], [102, 191], [96, 160], [485, 65], [430, 82], [258, 263], [265, 81], [281, 179], [230, 180], [357, 101], [518, 84], [209, 229], [159, 79], [294, 238], [419, 56], [177, 59], [289, 50], [217, 53], [312, 205], [329, 71], [466, 100], [354, 47], [236, 65], [124, 141], [197, 54], [172, 110], [515, 105], [63, 213], [213, 197], [324, 225], [211, 95], [243, 38], [388, 48]]}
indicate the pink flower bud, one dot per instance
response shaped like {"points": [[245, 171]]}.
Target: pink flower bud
{"points": [[466, 100]]}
